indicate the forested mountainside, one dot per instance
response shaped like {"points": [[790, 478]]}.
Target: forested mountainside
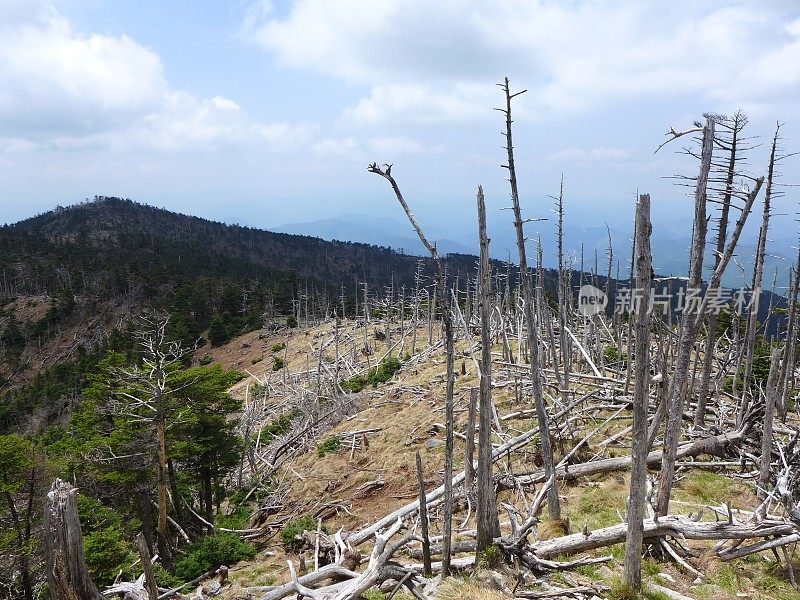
{"points": [[110, 246], [190, 445], [73, 277]]}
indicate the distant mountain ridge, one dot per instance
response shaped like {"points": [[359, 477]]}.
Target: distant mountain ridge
{"points": [[670, 244], [368, 230]]}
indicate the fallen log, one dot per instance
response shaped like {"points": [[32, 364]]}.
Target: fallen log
{"points": [[379, 569], [719, 445], [675, 526]]}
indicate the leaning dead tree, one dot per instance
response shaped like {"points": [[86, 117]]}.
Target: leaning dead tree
{"points": [[636, 499], [677, 386], [532, 332], [673, 404], [729, 140], [447, 323]]}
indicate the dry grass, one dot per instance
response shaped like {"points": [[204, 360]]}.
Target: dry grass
{"points": [[468, 589], [409, 411]]}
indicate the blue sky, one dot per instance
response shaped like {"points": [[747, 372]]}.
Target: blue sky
{"points": [[265, 113]]}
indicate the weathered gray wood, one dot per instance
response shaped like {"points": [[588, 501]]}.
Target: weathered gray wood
{"points": [[770, 398], [688, 332], [737, 123], [469, 442], [67, 576], [553, 505], [758, 271], [564, 297], [676, 526], [488, 524], [147, 567], [718, 445], [447, 323], [423, 519], [636, 498], [787, 364]]}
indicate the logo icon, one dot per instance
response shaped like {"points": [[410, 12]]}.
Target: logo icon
{"points": [[591, 301]]}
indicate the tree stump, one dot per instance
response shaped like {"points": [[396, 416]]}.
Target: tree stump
{"points": [[67, 575]]}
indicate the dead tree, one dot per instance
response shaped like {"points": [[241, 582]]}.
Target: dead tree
{"points": [[787, 364], [735, 126], [553, 505], [636, 499], [677, 388], [67, 575], [144, 397], [770, 397], [564, 295], [447, 322], [631, 279], [691, 325], [758, 271], [488, 524]]}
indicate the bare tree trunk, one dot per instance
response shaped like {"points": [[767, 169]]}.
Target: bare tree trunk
{"points": [[423, 519], [147, 567], [564, 296], [688, 333], [67, 576], [787, 366], [447, 321], [631, 278], [692, 325], [736, 125], [766, 436], [636, 499], [469, 443], [758, 271], [553, 505], [488, 524]]}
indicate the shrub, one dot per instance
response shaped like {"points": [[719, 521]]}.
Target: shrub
{"points": [[209, 553], [256, 359], [278, 363], [278, 347], [279, 426], [292, 531], [237, 519], [491, 557], [380, 374], [206, 360], [329, 446], [612, 355], [104, 541], [291, 322], [218, 331]]}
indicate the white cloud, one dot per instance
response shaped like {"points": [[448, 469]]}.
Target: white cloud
{"points": [[344, 147], [422, 103], [395, 145], [53, 80], [62, 89], [427, 61]]}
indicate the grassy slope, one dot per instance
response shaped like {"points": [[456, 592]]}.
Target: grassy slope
{"points": [[408, 412]]}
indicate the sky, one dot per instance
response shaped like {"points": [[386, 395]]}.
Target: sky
{"points": [[268, 112]]}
